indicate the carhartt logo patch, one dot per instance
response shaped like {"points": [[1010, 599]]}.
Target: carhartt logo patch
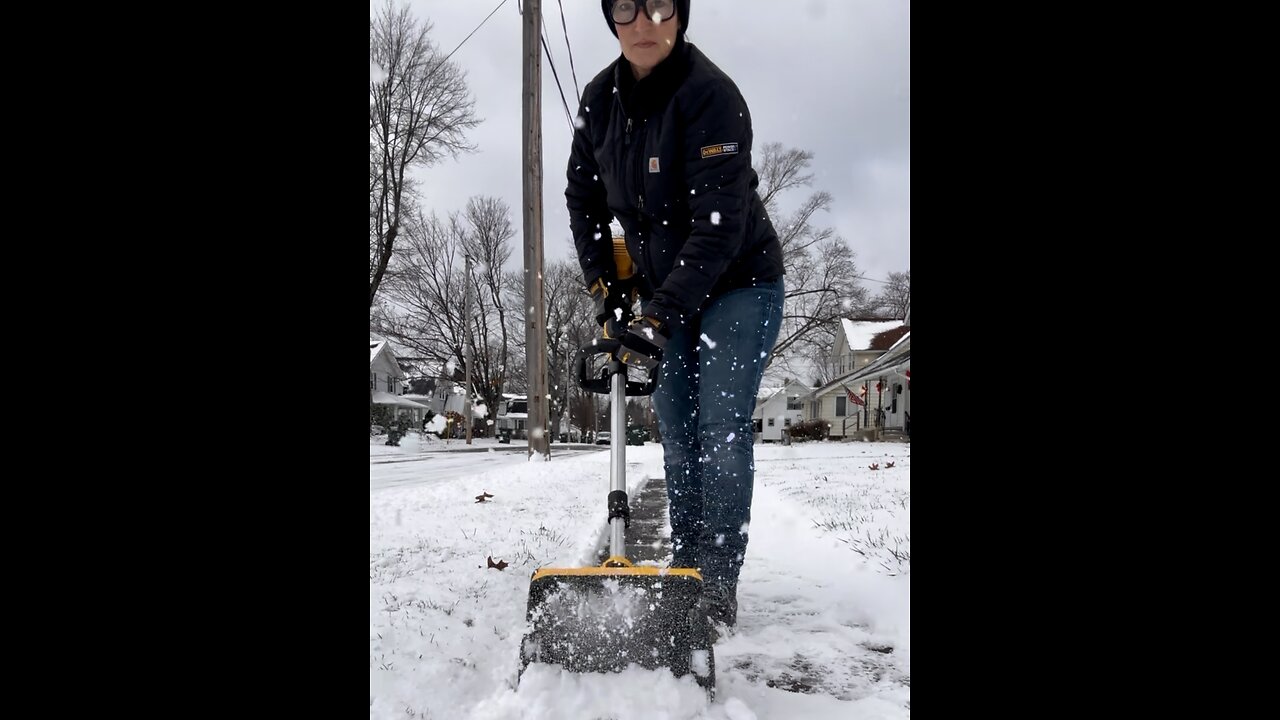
{"points": [[653, 164], [722, 149]]}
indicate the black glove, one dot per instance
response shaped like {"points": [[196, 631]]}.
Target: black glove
{"points": [[614, 328], [643, 343], [608, 297]]}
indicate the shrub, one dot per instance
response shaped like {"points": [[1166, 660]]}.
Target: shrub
{"points": [[396, 424], [810, 430]]}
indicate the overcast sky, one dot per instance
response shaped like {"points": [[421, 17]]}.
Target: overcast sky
{"points": [[829, 76]]}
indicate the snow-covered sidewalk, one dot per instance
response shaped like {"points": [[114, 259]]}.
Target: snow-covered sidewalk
{"points": [[824, 622]]}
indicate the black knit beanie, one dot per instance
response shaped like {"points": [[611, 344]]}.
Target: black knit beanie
{"points": [[682, 11]]}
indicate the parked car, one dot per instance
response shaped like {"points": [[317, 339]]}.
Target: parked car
{"points": [[604, 437], [637, 435]]}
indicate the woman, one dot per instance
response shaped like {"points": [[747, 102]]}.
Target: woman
{"points": [[663, 144]]}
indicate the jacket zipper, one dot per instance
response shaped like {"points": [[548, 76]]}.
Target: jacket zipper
{"points": [[638, 174]]}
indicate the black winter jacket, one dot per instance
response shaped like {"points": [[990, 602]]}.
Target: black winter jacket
{"points": [[670, 158]]}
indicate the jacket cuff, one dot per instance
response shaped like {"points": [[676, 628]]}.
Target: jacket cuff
{"points": [[669, 318], [603, 277]]}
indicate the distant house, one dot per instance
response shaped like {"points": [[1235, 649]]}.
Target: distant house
{"points": [[859, 341], [386, 382], [779, 408], [428, 384], [513, 416], [878, 373]]}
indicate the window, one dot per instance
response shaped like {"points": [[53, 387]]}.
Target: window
{"points": [[817, 408], [770, 422], [786, 422], [840, 406], [373, 381], [389, 381], [793, 403]]}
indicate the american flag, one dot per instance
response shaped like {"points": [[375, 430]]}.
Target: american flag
{"points": [[852, 398]]}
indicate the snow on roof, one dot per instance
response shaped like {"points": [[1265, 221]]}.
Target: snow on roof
{"points": [[766, 393], [375, 346], [385, 398], [860, 333], [887, 363]]}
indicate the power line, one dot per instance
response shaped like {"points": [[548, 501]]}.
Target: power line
{"points": [[473, 32], [567, 115], [863, 277], [572, 69], [440, 66], [542, 28]]}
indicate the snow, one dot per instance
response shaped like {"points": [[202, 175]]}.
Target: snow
{"points": [[859, 333], [824, 596]]}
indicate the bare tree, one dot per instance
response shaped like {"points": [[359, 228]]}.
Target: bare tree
{"points": [[487, 240], [779, 171], [895, 295], [424, 289], [822, 282], [586, 411], [424, 309], [419, 111], [640, 413], [569, 325]]}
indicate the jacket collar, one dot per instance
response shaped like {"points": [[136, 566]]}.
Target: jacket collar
{"points": [[645, 97]]}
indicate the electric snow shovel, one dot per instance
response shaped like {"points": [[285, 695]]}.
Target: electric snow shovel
{"points": [[602, 619]]}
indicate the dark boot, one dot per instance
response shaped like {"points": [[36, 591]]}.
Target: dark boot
{"points": [[720, 604]]}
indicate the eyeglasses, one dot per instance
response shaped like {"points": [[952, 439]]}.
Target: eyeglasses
{"points": [[624, 11]]}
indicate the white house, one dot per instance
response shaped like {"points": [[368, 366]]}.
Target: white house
{"points": [[778, 409], [386, 381], [884, 386], [856, 344]]}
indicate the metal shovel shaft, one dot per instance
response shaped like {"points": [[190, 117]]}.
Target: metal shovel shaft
{"points": [[618, 460]]}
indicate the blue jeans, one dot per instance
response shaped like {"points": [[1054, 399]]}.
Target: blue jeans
{"points": [[704, 400]]}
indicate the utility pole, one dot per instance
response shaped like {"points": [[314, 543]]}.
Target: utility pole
{"points": [[568, 394], [466, 338], [535, 335]]}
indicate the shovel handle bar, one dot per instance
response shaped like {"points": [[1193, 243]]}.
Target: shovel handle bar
{"points": [[601, 385]]}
